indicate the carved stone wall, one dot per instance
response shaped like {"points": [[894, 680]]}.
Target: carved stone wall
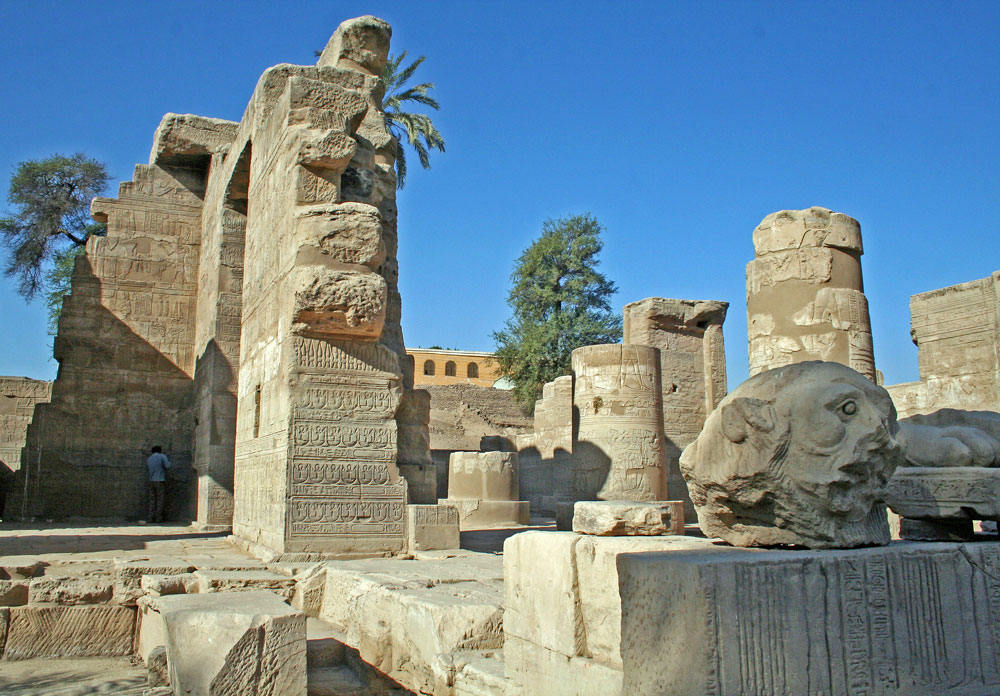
{"points": [[688, 334], [957, 333], [18, 397], [126, 356], [805, 295]]}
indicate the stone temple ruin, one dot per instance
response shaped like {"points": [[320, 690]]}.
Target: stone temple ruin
{"points": [[243, 313]]}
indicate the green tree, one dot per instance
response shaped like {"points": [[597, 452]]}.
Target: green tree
{"points": [[559, 302], [51, 223], [418, 129]]}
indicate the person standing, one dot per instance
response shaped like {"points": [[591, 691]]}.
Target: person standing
{"points": [[157, 465]]}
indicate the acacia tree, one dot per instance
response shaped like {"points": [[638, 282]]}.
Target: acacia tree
{"points": [[559, 302], [51, 223]]}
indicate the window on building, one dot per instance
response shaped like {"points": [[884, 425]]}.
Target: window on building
{"points": [[472, 370], [449, 368], [428, 367]]}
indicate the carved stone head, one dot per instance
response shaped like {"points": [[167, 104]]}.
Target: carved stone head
{"points": [[799, 455]]}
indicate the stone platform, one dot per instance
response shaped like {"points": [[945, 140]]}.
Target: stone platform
{"points": [[920, 619]]}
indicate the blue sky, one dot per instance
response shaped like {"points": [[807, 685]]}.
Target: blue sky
{"points": [[679, 125]]}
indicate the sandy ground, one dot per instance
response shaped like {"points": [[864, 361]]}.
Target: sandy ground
{"points": [[72, 677]]}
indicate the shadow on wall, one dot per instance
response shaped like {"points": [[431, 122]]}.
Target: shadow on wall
{"points": [[115, 396]]}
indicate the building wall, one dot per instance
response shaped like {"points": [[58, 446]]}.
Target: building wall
{"points": [[18, 396], [452, 367]]}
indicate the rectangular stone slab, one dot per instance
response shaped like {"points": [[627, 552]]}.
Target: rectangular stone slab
{"points": [[74, 631], [961, 492], [911, 618]]}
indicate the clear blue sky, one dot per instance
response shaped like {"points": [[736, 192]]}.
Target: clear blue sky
{"points": [[679, 125]]}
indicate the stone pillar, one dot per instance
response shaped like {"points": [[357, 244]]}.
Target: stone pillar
{"points": [[688, 334], [805, 295], [618, 447], [322, 364], [484, 488]]}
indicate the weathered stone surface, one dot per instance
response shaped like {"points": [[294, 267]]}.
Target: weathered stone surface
{"points": [[562, 627], [623, 518], [404, 617], [619, 449], [964, 493], [245, 580], [688, 334], [430, 527], [234, 644], [951, 438], [188, 140], [70, 589], [4, 625], [322, 366], [13, 593], [158, 585], [957, 331], [805, 296], [157, 670], [483, 488], [18, 396], [915, 619], [309, 586], [128, 576], [75, 631], [797, 455]]}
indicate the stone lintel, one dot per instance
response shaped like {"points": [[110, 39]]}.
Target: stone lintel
{"points": [[188, 140]]}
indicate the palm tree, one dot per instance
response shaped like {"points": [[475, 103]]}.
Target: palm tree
{"points": [[420, 131]]}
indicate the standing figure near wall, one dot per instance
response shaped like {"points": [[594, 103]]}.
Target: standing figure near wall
{"points": [[805, 294]]}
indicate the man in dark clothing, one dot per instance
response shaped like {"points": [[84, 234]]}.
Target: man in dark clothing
{"points": [[157, 465]]}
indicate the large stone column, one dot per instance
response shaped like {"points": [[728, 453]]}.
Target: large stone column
{"points": [[618, 447], [322, 365], [805, 295], [688, 334]]}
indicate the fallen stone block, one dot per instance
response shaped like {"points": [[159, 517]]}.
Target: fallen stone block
{"points": [[75, 631], [432, 527], [912, 618], [401, 616], [128, 576], [68, 590], [961, 492], [627, 518], [309, 586], [159, 585], [13, 593], [234, 644], [243, 580]]}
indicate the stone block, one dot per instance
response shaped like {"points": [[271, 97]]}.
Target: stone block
{"points": [[234, 644], [245, 580], [157, 671], [914, 619], [74, 631], [158, 585], [421, 483], [13, 593], [570, 616], [150, 631], [432, 527], [965, 492], [128, 576], [564, 515], [4, 624], [309, 586], [482, 514], [66, 590], [620, 518], [403, 617]]}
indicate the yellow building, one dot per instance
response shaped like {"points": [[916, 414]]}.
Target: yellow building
{"points": [[436, 366]]}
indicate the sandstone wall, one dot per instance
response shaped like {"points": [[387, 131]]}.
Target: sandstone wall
{"points": [[18, 397], [957, 333], [126, 356]]}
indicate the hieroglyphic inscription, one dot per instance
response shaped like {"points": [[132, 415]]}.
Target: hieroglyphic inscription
{"points": [[358, 357], [434, 514], [812, 266]]}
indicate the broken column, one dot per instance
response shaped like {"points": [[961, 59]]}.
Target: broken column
{"points": [[618, 448], [805, 295], [484, 488], [321, 355], [688, 334]]}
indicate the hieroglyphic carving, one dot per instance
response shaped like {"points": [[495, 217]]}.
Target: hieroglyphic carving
{"points": [[894, 620]]}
